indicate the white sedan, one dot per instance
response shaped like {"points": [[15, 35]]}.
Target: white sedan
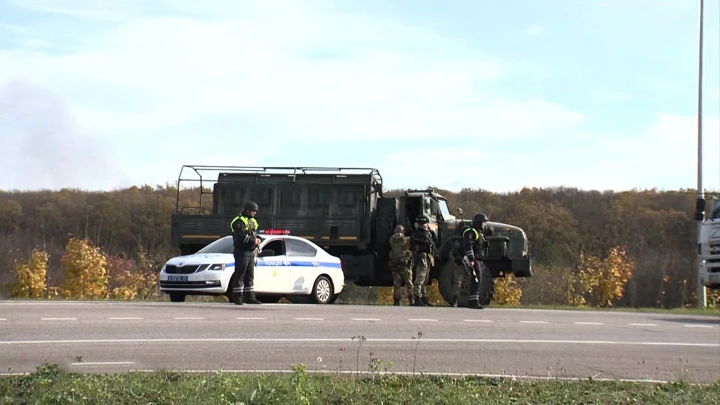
{"points": [[286, 266]]}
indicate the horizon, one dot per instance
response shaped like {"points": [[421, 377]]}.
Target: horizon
{"points": [[173, 185], [598, 96]]}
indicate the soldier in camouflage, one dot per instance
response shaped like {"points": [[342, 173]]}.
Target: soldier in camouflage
{"points": [[401, 265], [423, 260]]}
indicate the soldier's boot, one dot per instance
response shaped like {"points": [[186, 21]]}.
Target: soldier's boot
{"points": [[426, 302], [410, 300], [396, 302], [418, 302], [236, 298], [250, 298], [474, 304]]}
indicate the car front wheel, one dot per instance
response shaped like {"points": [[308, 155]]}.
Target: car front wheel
{"points": [[323, 290]]}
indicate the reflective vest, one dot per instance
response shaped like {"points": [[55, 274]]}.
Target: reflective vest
{"points": [[252, 226], [479, 239], [477, 234]]}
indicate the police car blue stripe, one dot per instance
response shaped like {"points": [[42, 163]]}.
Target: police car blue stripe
{"points": [[263, 263]]}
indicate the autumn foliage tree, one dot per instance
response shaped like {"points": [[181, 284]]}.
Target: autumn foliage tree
{"points": [[606, 279], [84, 270], [30, 275], [507, 291], [656, 228], [132, 279]]}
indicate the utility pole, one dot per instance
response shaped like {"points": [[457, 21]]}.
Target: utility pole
{"points": [[701, 292]]}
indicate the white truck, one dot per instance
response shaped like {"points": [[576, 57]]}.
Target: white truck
{"points": [[709, 249]]}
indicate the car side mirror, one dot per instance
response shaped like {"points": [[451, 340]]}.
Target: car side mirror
{"points": [[266, 252]]}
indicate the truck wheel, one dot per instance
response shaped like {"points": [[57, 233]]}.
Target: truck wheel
{"points": [[446, 281], [487, 289]]}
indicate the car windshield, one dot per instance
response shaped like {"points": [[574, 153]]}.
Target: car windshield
{"points": [[222, 245], [715, 213], [444, 208]]}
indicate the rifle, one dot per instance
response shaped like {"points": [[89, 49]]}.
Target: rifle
{"points": [[466, 265], [433, 249]]}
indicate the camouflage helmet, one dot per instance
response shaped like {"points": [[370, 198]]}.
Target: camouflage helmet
{"points": [[250, 206], [399, 229]]}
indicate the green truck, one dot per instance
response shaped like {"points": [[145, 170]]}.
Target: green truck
{"points": [[344, 211]]}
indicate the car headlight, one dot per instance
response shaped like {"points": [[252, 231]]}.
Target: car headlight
{"points": [[217, 266]]}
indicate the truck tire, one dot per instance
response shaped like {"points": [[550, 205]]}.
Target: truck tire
{"points": [[487, 288], [446, 280]]}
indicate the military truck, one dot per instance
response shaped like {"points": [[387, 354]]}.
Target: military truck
{"points": [[709, 246], [345, 212]]}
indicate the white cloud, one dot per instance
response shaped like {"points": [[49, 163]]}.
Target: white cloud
{"points": [[42, 146], [608, 95], [181, 69], [534, 30], [108, 10], [667, 151], [296, 72], [138, 90]]}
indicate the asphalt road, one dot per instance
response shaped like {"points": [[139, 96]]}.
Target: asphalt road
{"points": [[123, 336]]}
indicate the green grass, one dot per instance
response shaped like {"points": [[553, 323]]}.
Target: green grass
{"points": [[50, 385]]}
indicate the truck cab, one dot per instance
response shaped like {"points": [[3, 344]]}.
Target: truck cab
{"points": [[507, 249], [709, 249]]}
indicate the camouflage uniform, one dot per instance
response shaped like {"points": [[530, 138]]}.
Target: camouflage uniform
{"points": [[401, 265], [422, 261]]}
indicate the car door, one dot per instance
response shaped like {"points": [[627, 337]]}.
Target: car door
{"points": [[272, 273], [304, 267]]}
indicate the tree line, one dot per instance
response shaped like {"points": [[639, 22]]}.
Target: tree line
{"points": [[652, 233]]}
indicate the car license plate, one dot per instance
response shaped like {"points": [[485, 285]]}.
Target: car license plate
{"points": [[177, 278]]}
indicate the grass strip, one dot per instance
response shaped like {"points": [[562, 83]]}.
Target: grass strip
{"points": [[51, 385]]}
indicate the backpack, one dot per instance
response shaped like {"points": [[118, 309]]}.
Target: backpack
{"points": [[400, 249]]}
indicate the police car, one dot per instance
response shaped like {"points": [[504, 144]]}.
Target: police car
{"points": [[287, 266]]}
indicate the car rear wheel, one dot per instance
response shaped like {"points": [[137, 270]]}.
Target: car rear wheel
{"points": [[323, 290]]}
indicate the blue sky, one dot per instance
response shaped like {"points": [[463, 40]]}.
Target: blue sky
{"points": [[477, 93]]}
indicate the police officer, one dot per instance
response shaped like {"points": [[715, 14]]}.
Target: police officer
{"points": [[401, 265], [420, 245], [474, 241], [245, 240]]}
